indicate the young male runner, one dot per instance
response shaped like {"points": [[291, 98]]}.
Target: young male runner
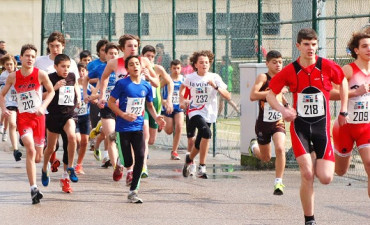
{"points": [[176, 118], [269, 124], [203, 87], [129, 45], [358, 127], [28, 82], [133, 94], [150, 126], [60, 118], [310, 79]]}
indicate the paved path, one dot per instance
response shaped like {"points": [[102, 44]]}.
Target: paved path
{"points": [[231, 196]]}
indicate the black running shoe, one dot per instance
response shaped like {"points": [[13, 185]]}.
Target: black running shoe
{"points": [[311, 222], [36, 195], [17, 155], [106, 164]]}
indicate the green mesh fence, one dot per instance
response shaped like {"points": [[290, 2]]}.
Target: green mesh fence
{"points": [[186, 26]]}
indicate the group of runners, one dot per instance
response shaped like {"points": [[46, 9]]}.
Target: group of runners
{"points": [[128, 99]]}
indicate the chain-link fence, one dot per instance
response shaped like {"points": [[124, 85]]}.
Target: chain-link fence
{"points": [[237, 31]]}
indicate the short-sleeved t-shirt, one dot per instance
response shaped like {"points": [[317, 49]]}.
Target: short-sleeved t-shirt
{"points": [[132, 98], [203, 97], [11, 96], [94, 68], [54, 106], [46, 64]]}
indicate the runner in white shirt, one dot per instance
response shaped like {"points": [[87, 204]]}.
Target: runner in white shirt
{"points": [[202, 105]]}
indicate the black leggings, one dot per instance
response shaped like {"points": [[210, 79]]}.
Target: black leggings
{"points": [[124, 143], [204, 130]]}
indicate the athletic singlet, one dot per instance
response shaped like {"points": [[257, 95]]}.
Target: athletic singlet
{"points": [[358, 107], [266, 112], [29, 91], [85, 107], [176, 92]]}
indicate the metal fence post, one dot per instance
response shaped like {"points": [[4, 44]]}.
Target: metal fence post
{"points": [[139, 19], [110, 19], [62, 16], [83, 25], [314, 16], [214, 65], [259, 31], [42, 26], [174, 29]]}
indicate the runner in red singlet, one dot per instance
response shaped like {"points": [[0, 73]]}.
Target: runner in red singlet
{"points": [[28, 82]]}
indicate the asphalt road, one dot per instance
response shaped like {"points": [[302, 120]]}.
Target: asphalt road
{"points": [[231, 196]]}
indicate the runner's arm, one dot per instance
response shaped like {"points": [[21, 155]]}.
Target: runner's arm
{"points": [[255, 93], [8, 83], [45, 81]]}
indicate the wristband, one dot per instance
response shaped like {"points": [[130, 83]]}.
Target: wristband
{"points": [[216, 88], [343, 114]]}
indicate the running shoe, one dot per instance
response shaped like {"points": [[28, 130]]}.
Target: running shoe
{"points": [[144, 172], [72, 174], [17, 155], [96, 131], [54, 165], [1, 129], [175, 156], [202, 172], [279, 189], [97, 154], [66, 186], [311, 222], [5, 136], [186, 169], [118, 173], [92, 144], [106, 162], [79, 169], [251, 143], [45, 176], [133, 198], [21, 142], [129, 177], [36, 195]]}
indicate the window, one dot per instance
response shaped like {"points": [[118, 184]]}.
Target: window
{"points": [[273, 29], [187, 23], [131, 23], [221, 23]]}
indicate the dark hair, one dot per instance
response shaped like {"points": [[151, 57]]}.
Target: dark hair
{"points": [[196, 55], [127, 60], [111, 45], [122, 40], [84, 54], [148, 48], [100, 44], [8, 57], [61, 58], [2, 42], [81, 66], [354, 42], [175, 62], [56, 36], [159, 45], [182, 57], [273, 54], [306, 34], [28, 47]]}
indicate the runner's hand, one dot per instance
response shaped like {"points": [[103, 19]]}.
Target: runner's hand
{"points": [[342, 120], [6, 113], [40, 111], [129, 117], [160, 121], [101, 103], [185, 104], [168, 106], [289, 114], [59, 84]]}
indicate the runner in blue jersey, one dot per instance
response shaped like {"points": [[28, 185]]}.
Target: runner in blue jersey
{"points": [[176, 118], [133, 94]]}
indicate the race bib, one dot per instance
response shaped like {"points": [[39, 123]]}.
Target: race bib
{"points": [[269, 114], [310, 105], [83, 109], [175, 98], [66, 95], [108, 91], [28, 101], [13, 95], [201, 95], [358, 109], [135, 105]]}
